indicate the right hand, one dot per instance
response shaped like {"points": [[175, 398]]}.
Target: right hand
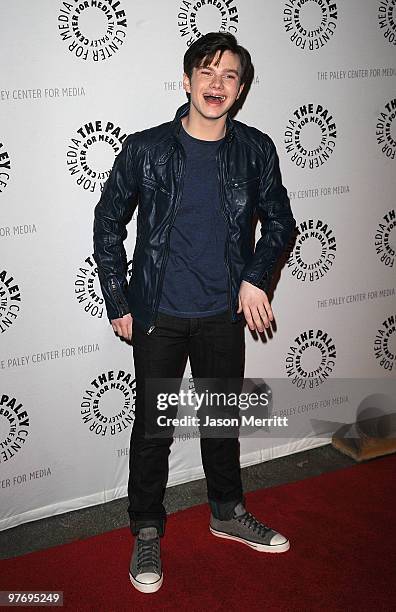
{"points": [[123, 326]]}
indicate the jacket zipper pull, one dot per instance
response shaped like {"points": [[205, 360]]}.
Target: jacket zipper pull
{"points": [[151, 329]]}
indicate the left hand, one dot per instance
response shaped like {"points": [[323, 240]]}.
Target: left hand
{"points": [[255, 306]]}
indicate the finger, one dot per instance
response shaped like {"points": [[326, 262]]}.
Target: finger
{"points": [[116, 329], [263, 315], [239, 305], [268, 309], [248, 317], [130, 329], [119, 329], [257, 320], [125, 330]]}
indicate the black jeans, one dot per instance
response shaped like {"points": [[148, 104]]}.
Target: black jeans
{"points": [[216, 348]]}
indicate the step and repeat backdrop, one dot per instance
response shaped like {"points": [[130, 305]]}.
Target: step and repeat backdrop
{"points": [[76, 78]]}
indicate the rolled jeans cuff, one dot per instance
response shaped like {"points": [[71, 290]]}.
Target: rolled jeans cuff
{"points": [[141, 523], [224, 511]]}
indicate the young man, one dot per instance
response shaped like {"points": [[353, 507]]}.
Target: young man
{"points": [[196, 278]]}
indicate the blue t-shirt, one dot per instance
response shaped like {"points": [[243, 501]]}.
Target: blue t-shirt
{"points": [[195, 280]]}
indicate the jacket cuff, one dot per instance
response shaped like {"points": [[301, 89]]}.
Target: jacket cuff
{"points": [[119, 304], [261, 282]]}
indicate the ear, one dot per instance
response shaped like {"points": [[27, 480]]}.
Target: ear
{"points": [[240, 90], [186, 83]]}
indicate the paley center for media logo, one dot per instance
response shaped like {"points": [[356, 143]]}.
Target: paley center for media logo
{"points": [[92, 29], [385, 239], [310, 136], [387, 20], [386, 129], [194, 19], [385, 344], [310, 24], [108, 404], [10, 300], [314, 252], [91, 152], [14, 426], [311, 358], [5, 167]]}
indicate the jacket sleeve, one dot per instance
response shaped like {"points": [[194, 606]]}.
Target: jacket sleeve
{"points": [[112, 213], [277, 223]]}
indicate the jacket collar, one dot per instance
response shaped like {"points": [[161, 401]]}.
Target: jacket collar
{"points": [[182, 111]]}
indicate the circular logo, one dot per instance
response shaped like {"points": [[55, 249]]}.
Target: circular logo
{"points": [[10, 301], [310, 23], [314, 252], [91, 152], [311, 359], [14, 426], [387, 20], [385, 344], [108, 405], [87, 287], [310, 136], [386, 131], [385, 239], [5, 167], [92, 29], [197, 18]]}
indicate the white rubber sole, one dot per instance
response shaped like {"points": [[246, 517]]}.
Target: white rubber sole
{"points": [[277, 548], [146, 588]]}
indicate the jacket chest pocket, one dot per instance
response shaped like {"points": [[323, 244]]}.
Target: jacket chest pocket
{"points": [[243, 191]]}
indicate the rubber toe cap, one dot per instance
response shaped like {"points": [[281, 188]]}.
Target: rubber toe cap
{"points": [[147, 578], [278, 539]]}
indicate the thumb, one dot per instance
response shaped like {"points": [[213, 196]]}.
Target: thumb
{"points": [[239, 305]]}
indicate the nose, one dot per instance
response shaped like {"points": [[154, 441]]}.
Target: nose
{"points": [[217, 82]]}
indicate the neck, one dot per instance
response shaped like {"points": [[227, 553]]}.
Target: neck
{"points": [[202, 128]]}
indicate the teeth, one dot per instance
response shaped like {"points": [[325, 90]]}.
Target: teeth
{"points": [[213, 96]]}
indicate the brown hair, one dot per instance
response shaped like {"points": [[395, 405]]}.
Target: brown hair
{"points": [[203, 50]]}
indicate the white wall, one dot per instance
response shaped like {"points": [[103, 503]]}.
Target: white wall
{"points": [[55, 337]]}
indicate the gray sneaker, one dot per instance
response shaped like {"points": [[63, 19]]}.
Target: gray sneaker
{"points": [[145, 570], [245, 528]]}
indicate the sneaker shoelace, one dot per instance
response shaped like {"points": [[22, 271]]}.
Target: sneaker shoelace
{"points": [[148, 554], [252, 523]]}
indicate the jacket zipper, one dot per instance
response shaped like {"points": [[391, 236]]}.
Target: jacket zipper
{"points": [[115, 288], [166, 255], [226, 258]]}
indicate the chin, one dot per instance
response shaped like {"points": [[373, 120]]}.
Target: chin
{"points": [[214, 115]]}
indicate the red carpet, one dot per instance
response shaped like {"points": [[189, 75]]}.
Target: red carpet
{"points": [[342, 557]]}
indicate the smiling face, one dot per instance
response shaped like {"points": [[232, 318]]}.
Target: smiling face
{"points": [[214, 89]]}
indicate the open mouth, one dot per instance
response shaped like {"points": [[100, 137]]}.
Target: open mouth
{"points": [[214, 99]]}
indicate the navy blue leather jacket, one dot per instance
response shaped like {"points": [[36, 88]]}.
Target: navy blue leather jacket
{"points": [[149, 173]]}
